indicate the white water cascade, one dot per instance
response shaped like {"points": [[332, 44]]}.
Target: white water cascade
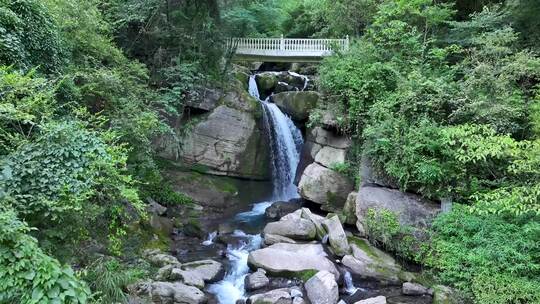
{"points": [[231, 288], [285, 144], [349, 285]]}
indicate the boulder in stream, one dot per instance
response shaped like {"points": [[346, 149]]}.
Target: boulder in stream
{"points": [[369, 263], [256, 280], [414, 289], [322, 288], [375, 300], [270, 239], [292, 260], [279, 209], [325, 186], [175, 293], [297, 229], [336, 236], [276, 296]]}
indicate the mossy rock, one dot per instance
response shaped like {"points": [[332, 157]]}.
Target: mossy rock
{"points": [[297, 104]]}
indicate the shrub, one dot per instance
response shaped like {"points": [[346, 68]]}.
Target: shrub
{"points": [[29, 275], [468, 249]]}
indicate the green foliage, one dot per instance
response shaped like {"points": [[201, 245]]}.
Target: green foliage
{"points": [[383, 229], [26, 103], [468, 249], [110, 278], [28, 274], [160, 190], [29, 37]]}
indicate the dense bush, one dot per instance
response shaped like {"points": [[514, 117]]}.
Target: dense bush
{"points": [[469, 249], [29, 37], [29, 275], [450, 109]]}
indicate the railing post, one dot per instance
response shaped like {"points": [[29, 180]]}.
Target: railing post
{"points": [[347, 43], [282, 44]]}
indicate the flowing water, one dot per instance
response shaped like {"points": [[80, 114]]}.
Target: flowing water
{"points": [[285, 141]]}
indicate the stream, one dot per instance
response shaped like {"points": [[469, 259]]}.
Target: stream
{"points": [[238, 231]]}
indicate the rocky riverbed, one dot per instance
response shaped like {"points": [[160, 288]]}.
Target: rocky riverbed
{"points": [[280, 223]]}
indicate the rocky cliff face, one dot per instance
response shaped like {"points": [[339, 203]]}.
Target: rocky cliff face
{"points": [[224, 137]]}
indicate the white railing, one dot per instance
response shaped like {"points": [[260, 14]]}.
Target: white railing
{"points": [[287, 47]]}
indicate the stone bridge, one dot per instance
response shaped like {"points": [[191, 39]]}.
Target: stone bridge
{"points": [[285, 49]]}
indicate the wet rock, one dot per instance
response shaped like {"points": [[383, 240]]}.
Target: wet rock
{"points": [[277, 296], [412, 210], [284, 87], [376, 300], [160, 259], [293, 216], [292, 260], [297, 104], [298, 300], [266, 83], [322, 288], [175, 293], [316, 220], [208, 270], [336, 236], [330, 157], [414, 289], [187, 277], [324, 186], [279, 209], [349, 209], [296, 292], [270, 239], [298, 229], [368, 262], [256, 280]]}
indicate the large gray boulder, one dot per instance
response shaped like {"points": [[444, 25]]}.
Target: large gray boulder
{"points": [[316, 220], [325, 186], [297, 104], [160, 259], [412, 210], [375, 300], [256, 280], [193, 274], [336, 236], [208, 270], [368, 262], [415, 289], [175, 293], [205, 99], [270, 239], [298, 229], [330, 156], [279, 209], [229, 141], [277, 296], [349, 210], [322, 288], [296, 260]]}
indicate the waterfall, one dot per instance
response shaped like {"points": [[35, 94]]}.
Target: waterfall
{"points": [[349, 285], [285, 143]]}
